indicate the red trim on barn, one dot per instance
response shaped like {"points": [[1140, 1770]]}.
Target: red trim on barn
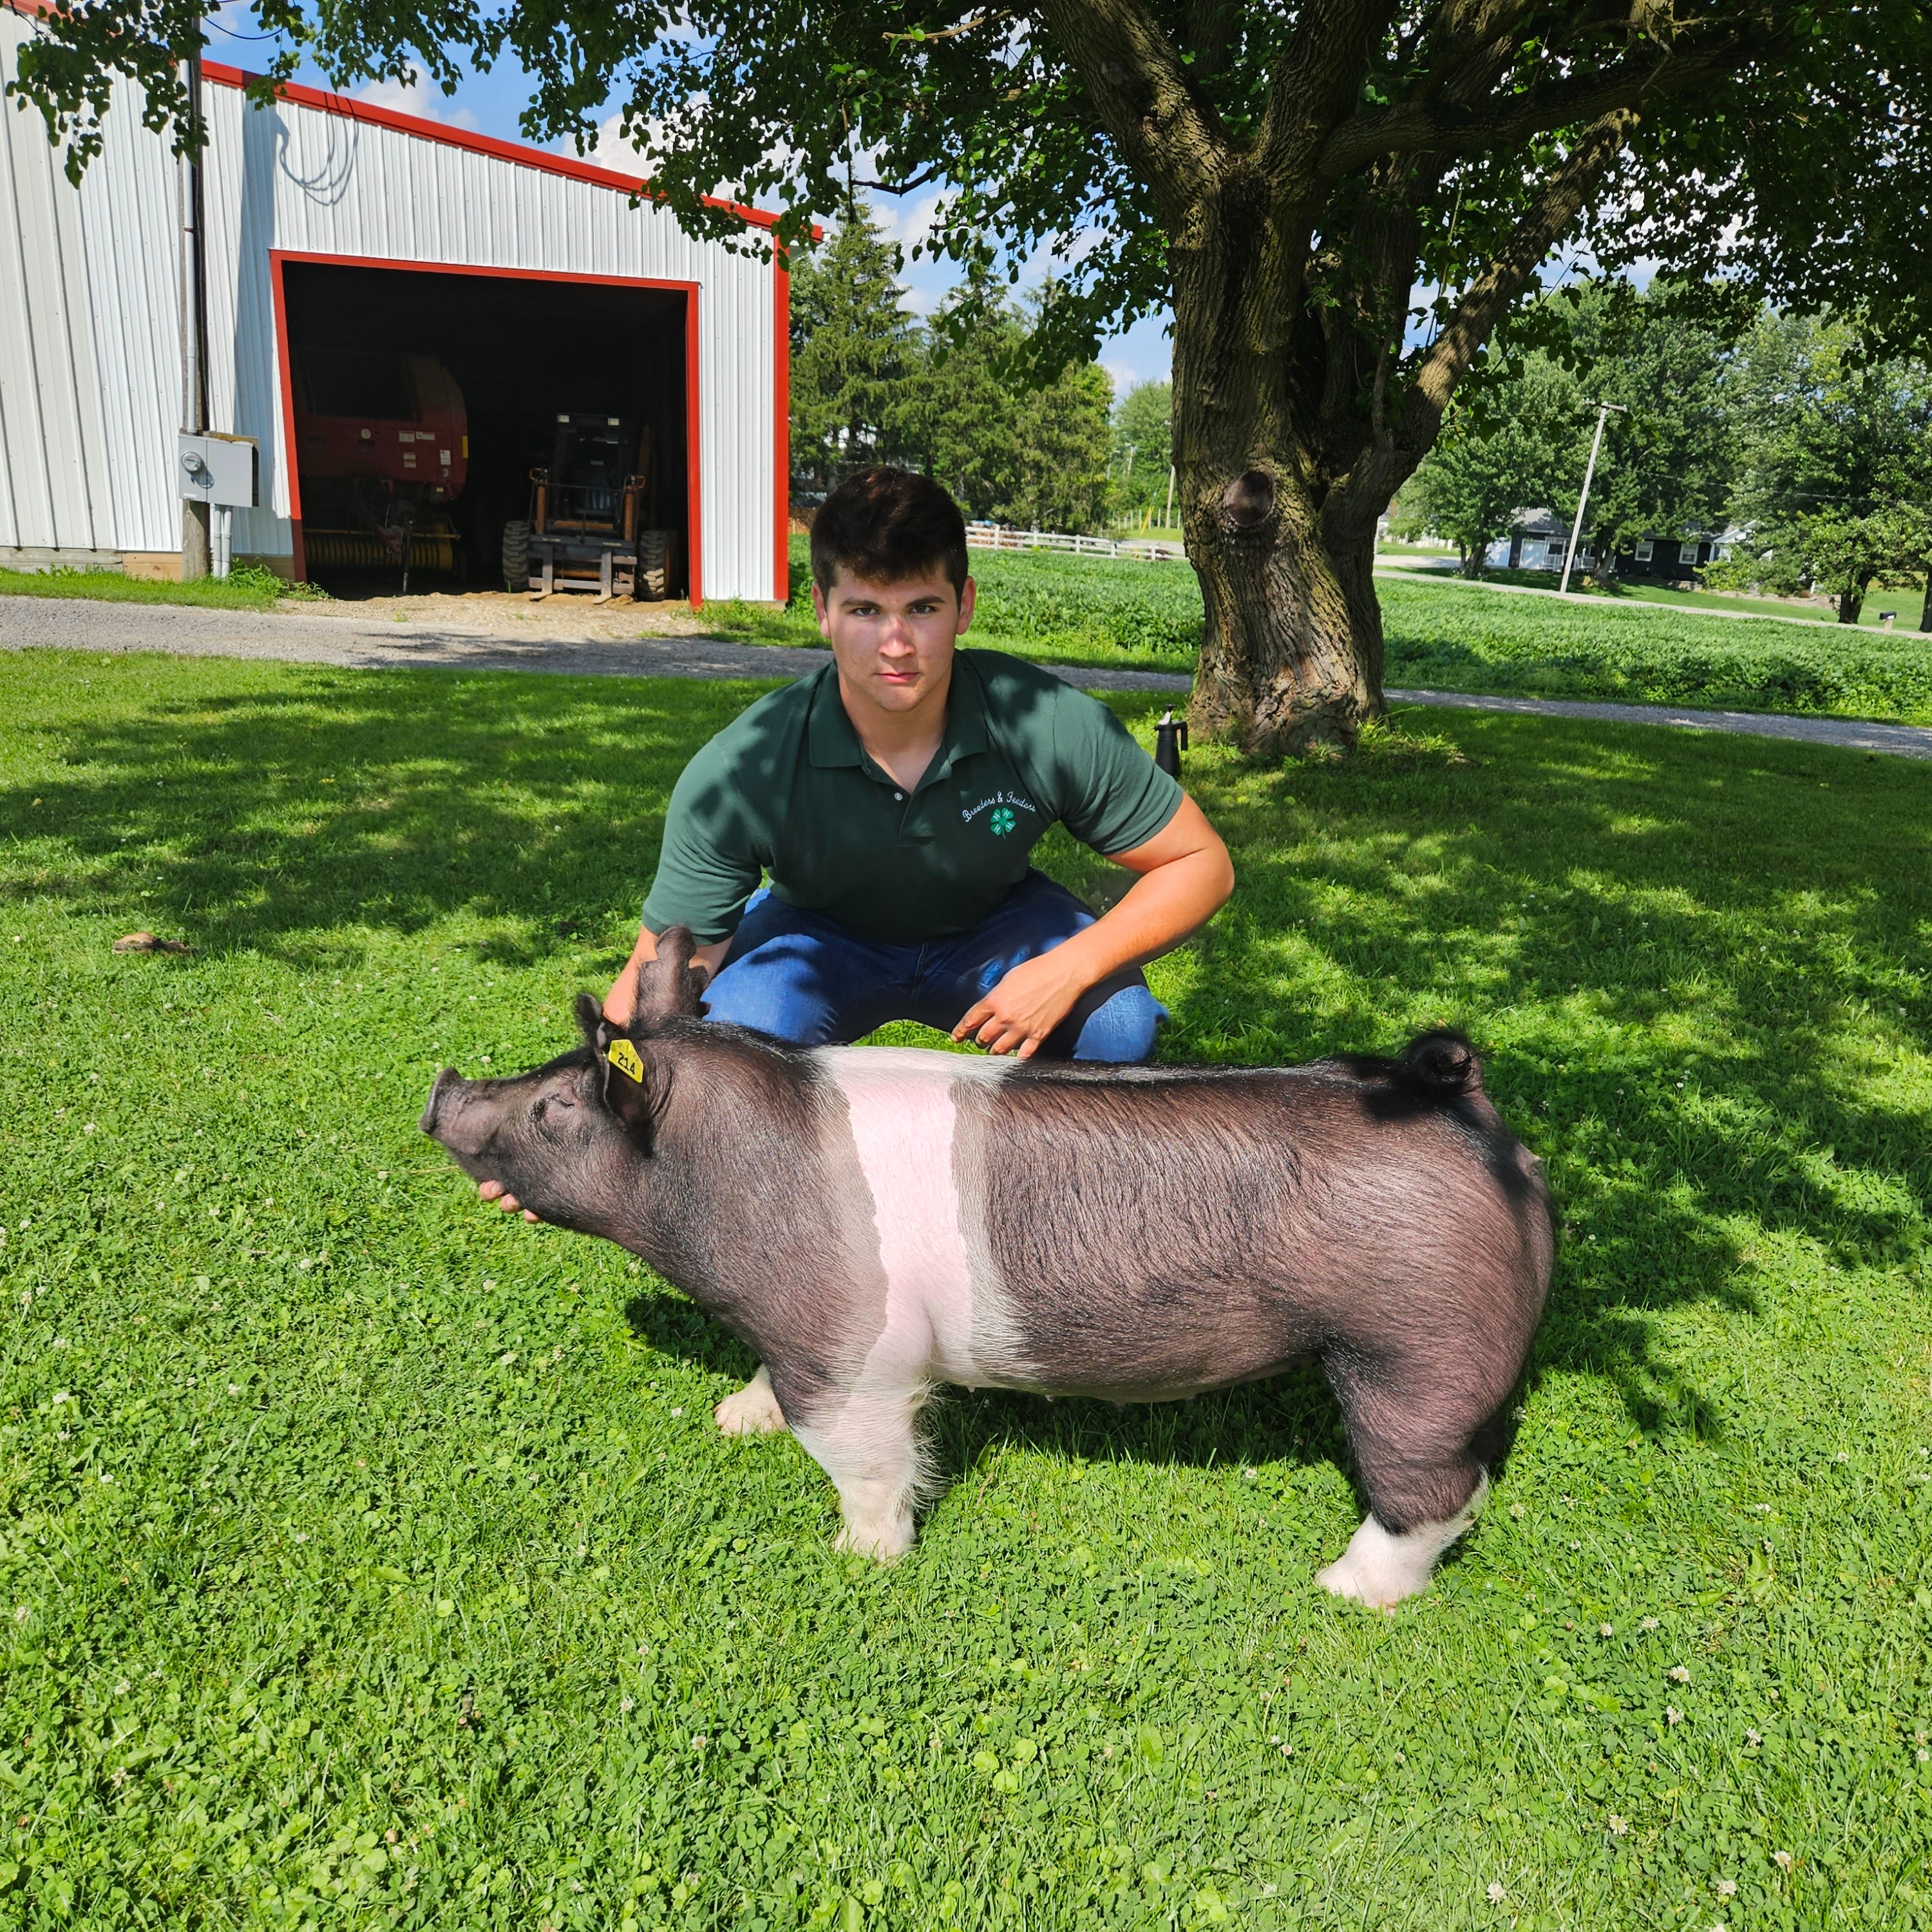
{"points": [[693, 477], [516, 152], [781, 423], [299, 560], [693, 517]]}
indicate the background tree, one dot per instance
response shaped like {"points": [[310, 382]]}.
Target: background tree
{"points": [[1055, 471], [1284, 175], [870, 384], [1515, 445], [1143, 419], [1836, 460], [853, 350], [1669, 461], [1842, 557]]}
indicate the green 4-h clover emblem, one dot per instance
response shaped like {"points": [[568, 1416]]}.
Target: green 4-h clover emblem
{"points": [[1003, 821]]}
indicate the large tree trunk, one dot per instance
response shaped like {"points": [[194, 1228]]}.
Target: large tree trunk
{"points": [[1291, 645]]}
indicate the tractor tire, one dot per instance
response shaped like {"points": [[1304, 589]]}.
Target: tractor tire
{"points": [[653, 565], [517, 555]]}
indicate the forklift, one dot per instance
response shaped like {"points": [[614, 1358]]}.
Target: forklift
{"points": [[586, 528]]}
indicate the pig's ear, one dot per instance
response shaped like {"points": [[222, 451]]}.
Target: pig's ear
{"points": [[669, 986], [624, 1078], [590, 1017]]}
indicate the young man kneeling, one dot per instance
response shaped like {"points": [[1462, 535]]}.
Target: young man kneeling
{"points": [[895, 797]]}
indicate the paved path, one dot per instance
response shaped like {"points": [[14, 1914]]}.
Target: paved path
{"points": [[1904, 741], [359, 638]]}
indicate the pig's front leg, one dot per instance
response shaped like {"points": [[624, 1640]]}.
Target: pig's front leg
{"points": [[869, 1448], [753, 1410]]}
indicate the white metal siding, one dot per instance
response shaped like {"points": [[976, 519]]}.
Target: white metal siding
{"points": [[89, 364]]}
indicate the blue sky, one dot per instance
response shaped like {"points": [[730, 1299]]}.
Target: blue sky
{"points": [[489, 103]]}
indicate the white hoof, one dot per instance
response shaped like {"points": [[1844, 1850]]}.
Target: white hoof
{"points": [[883, 1542], [1380, 1569], [753, 1410]]}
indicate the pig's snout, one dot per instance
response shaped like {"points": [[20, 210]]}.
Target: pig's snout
{"points": [[438, 1093]]}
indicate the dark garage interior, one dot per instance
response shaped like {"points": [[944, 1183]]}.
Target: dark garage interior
{"points": [[521, 352]]}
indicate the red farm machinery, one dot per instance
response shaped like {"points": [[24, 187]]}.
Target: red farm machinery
{"points": [[586, 528], [383, 448]]}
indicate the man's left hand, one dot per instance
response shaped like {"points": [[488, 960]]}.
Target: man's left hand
{"points": [[1026, 1006]]}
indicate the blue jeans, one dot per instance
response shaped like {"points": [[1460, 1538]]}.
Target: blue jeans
{"points": [[803, 978]]}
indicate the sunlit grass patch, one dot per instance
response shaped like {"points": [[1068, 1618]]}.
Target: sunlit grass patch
{"points": [[367, 1560]]}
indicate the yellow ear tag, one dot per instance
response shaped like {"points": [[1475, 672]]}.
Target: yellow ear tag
{"points": [[623, 1056]]}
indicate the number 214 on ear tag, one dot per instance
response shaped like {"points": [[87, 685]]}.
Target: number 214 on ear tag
{"points": [[624, 1057]]}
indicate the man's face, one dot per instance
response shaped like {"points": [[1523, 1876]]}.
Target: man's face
{"points": [[893, 642]]}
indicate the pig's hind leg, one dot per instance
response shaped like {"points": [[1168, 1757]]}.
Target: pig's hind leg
{"points": [[1416, 1451], [869, 1446], [753, 1410]]}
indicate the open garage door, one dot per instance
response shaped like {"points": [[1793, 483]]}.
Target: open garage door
{"points": [[421, 400]]}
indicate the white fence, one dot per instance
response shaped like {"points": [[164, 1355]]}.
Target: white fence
{"points": [[997, 536]]}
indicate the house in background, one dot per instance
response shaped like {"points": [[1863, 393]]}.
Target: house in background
{"points": [[1658, 560], [1538, 537], [1536, 542]]}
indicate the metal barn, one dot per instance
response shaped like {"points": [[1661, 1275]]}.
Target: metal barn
{"points": [[343, 241]]}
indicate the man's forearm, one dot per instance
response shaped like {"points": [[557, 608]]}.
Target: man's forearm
{"points": [[1160, 910]]}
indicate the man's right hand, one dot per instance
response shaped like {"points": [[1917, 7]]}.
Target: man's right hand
{"points": [[620, 1002], [493, 1190]]}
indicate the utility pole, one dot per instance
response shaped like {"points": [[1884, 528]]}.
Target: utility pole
{"points": [[197, 551], [1167, 522], [1589, 472]]}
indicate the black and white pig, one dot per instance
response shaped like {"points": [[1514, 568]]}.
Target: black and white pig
{"points": [[874, 1221]]}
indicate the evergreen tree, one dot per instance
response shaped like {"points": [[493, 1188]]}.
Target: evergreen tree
{"points": [[1012, 449], [854, 352]]}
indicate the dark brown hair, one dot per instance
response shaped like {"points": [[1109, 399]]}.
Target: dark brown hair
{"points": [[885, 525]]}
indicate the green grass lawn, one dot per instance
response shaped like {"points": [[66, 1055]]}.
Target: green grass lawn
{"points": [[1451, 637], [367, 1560], [248, 587]]}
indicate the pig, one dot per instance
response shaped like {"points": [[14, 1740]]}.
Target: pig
{"points": [[873, 1222]]}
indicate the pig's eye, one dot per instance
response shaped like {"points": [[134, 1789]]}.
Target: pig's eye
{"points": [[551, 1102]]}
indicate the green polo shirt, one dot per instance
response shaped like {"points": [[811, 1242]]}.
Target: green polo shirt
{"points": [[787, 789]]}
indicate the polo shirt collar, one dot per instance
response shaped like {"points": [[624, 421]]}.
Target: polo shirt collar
{"points": [[831, 741]]}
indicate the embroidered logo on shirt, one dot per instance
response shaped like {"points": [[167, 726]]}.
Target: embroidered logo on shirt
{"points": [[1004, 806]]}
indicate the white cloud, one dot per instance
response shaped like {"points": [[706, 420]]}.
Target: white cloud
{"points": [[904, 220], [426, 103]]}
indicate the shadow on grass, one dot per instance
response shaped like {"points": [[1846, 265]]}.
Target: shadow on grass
{"points": [[1291, 1418], [280, 818], [1688, 958]]}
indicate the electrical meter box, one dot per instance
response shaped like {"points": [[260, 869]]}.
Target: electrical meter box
{"points": [[217, 469]]}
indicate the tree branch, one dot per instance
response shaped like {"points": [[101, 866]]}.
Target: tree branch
{"points": [[1141, 91], [919, 35], [1489, 297], [1317, 79], [1414, 127]]}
